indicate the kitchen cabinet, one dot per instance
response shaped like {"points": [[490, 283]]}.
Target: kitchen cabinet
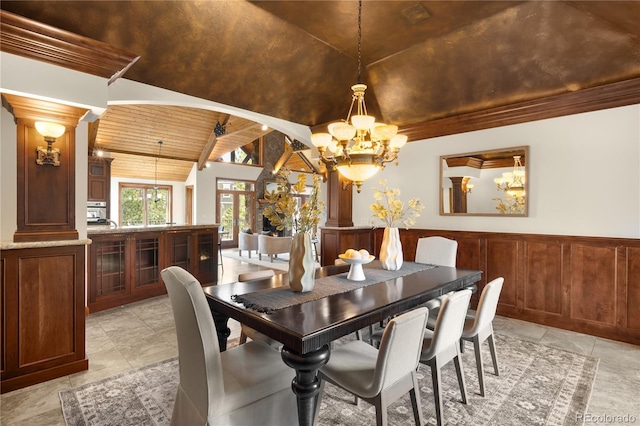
{"points": [[125, 264], [42, 309], [99, 180]]}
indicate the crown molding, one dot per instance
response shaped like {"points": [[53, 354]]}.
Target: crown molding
{"points": [[612, 95], [30, 39]]}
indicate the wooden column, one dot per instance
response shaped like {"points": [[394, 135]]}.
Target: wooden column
{"points": [[458, 197], [339, 200], [46, 193]]}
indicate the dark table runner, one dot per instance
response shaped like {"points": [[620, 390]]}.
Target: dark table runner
{"points": [[272, 299]]}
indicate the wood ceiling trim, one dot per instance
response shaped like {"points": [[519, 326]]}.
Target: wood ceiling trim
{"points": [[40, 110], [593, 99], [33, 40]]}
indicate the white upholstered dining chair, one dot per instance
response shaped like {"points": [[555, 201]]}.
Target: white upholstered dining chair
{"points": [[479, 327], [436, 251], [246, 331], [432, 251], [247, 384], [441, 345], [382, 376]]}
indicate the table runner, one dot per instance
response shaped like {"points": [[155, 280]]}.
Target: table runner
{"points": [[272, 299]]}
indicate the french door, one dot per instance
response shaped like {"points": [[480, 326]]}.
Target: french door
{"points": [[236, 209]]}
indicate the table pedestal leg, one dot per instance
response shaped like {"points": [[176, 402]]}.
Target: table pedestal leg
{"points": [[222, 329], [306, 384]]}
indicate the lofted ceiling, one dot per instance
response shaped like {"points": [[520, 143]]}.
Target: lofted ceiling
{"points": [[423, 61]]}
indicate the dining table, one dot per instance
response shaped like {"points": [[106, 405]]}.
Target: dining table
{"points": [[307, 323]]}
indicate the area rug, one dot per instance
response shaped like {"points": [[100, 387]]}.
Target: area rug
{"points": [[538, 385], [281, 262]]}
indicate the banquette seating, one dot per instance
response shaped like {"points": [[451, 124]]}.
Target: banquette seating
{"points": [[272, 246]]}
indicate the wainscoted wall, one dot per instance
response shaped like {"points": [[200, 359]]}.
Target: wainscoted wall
{"points": [[585, 284]]}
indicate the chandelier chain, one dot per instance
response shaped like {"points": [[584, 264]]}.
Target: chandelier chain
{"points": [[359, 41]]}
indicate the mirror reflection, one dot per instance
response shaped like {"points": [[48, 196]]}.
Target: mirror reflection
{"points": [[485, 183]]}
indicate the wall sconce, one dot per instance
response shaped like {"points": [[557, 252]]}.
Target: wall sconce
{"points": [[466, 186], [50, 132]]}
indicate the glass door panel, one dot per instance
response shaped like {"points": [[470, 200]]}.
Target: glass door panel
{"points": [[236, 209]]}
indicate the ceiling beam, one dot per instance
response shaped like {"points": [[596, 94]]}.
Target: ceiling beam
{"points": [[211, 143], [288, 152], [93, 133], [141, 154]]}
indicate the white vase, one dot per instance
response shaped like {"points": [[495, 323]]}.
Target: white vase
{"points": [[391, 249], [302, 265]]}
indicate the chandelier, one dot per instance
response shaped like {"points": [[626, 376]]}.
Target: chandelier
{"points": [[513, 182], [358, 147]]}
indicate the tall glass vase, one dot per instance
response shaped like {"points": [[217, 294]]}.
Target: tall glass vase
{"points": [[391, 249], [302, 265]]}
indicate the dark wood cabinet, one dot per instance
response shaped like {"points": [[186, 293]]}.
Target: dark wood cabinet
{"points": [[125, 267], [43, 318], [334, 241], [99, 180]]}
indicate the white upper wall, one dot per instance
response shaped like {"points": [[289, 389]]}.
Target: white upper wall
{"points": [[584, 176], [584, 170]]}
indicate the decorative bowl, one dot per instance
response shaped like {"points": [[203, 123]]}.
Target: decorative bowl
{"points": [[355, 271]]}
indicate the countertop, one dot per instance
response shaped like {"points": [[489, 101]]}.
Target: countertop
{"points": [[40, 244], [106, 229]]}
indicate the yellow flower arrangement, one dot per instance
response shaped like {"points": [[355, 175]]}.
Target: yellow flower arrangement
{"points": [[394, 211], [284, 211]]}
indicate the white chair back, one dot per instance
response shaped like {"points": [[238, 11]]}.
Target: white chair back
{"points": [[437, 251], [487, 305], [400, 347], [255, 275], [197, 342], [449, 324]]}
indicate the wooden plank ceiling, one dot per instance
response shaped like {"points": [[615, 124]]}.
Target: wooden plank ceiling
{"points": [[130, 134]]}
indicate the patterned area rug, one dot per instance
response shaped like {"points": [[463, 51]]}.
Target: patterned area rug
{"points": [[279, 263], [538, 385]]}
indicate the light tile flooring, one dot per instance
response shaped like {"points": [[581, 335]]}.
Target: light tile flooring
{"points": [[142, 333]]}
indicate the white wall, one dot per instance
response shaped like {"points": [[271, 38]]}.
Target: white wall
{"points": [[205, 189], [584, 176], [8, 177]]}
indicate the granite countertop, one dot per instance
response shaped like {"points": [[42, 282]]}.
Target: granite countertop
{"points": [[9, 245], [106, 229]]}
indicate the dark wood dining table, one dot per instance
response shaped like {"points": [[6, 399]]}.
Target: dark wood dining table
{"points": [[307, 329]]}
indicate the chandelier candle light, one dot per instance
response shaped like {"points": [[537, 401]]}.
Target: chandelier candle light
{"points": [[358, 147]]}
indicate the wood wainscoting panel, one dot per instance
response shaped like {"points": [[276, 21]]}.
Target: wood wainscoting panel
{"points": [[543, 266], [593, 284], [633, 289], [3, 325], [502, 261], [585, 284], [43, 316], [46, 308]]}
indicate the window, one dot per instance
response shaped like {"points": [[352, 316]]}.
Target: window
{"points": [[250, 153], [144, 205]]}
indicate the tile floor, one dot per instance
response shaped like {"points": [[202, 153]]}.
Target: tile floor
{"points": [[142, 333]]}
